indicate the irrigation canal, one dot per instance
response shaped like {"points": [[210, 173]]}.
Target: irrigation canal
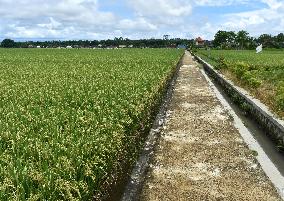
{"points": [[258, 133], [205, 152]]}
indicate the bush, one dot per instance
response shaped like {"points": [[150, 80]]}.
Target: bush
{"points": [[222, 63], [280, 101], [250, 79], [240, 68], [280, 96]]}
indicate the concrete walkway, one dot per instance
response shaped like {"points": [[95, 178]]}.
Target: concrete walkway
{"points": [[201, 155]]}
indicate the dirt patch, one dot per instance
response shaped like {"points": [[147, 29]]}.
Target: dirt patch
{"points": [[201, 155]]}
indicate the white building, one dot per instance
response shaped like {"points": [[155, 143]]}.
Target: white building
{"points": [[122, 46]]}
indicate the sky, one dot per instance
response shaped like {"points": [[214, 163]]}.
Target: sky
{"points": [[136, 19]]}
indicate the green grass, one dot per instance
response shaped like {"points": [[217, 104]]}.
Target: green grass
{"points": [[69, 117], [262, 74]]}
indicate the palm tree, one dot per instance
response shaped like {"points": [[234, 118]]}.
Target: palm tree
{"points": [[242, 38]]}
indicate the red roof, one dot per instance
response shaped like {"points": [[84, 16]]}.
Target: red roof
{"points": [[199, 39]]}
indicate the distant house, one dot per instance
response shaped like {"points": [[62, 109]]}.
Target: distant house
{"points": [[30, 46], [130, 46], [69, 47], [122, 46], [199, 41], [38, 46]]}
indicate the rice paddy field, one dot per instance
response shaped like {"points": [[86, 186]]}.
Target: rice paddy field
{"points": [[70, 118], [262, 74]]}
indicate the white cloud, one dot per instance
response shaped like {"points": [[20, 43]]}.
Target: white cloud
{"points": [[139, 24], [220, 2], [273, 4], [164, 8], [162, 13], [267, 20], [52, 25], [39, 18], [86, 19]]}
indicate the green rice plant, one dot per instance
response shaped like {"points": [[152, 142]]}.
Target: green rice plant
{"points": [[70, 118]]}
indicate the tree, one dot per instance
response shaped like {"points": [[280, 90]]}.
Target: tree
{"points": [[8, 43], [231, 39], [242, 39], [266, 40], [224, 39], [219, 38], [280, 37], [280, 40]]}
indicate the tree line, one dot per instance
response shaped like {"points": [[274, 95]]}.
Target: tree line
{"points": [[242, 40], [222, 40], [142, 43]]}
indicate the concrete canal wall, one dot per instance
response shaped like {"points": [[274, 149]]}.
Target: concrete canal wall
{"points": [[273, 126]]}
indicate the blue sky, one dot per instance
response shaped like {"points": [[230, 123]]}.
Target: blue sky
{"points": [[102, 19]]}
